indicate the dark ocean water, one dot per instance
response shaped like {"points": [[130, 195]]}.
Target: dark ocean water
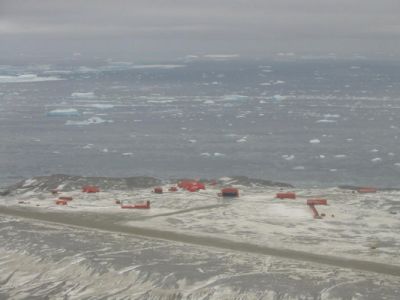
{"points": [[306, 122]]}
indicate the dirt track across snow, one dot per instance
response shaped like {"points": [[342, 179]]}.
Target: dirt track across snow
{"points": [[106, 222]]}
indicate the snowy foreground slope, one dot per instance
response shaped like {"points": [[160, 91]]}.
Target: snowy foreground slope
{"points": [[193, 255]]}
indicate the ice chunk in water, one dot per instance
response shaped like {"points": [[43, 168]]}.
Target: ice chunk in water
{"points": [[90, 121], [102, 105], [278, 97], [88, 95], [288, 157], [315, 141], [63, 112], [235, 97]]}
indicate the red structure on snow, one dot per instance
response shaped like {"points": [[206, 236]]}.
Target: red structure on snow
{"points": [[90, 189], [287, 195], [312, 202], [191, 185], [173, 189], [229, 192], [365, 190], [158, 190], [61, 202]]}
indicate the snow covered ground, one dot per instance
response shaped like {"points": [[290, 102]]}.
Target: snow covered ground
{"points": [[357, 226], [41, 259]]}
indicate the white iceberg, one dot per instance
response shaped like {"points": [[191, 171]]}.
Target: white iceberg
{"points": [[66, 112], [325, 121], [217, 154], [315, 141], [79, 95], [288, 157], [102, 105]]}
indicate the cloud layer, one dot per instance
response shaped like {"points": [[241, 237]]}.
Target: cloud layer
{"points": [[161, 29]]}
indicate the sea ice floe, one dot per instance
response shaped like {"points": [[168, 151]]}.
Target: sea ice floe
{"points": [[314, 141], [84, 95], [341, 156], [27, 78], [193, 141], [331, 116], [170, 66], [397, 164], [242, 140], [325, 121], [288, 157], [234, 97], [101, 105], [207, 154], [220, 56], [278, 82], [298, 168], [376, 159], [217, 154], [90, 121], [127, 154], [374, 150], [278, 97], [66, 112]]}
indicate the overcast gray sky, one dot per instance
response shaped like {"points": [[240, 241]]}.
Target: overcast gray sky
{"points": [[165, 29]]}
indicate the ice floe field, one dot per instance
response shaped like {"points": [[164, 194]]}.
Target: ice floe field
{"points": [[304, 121]]}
